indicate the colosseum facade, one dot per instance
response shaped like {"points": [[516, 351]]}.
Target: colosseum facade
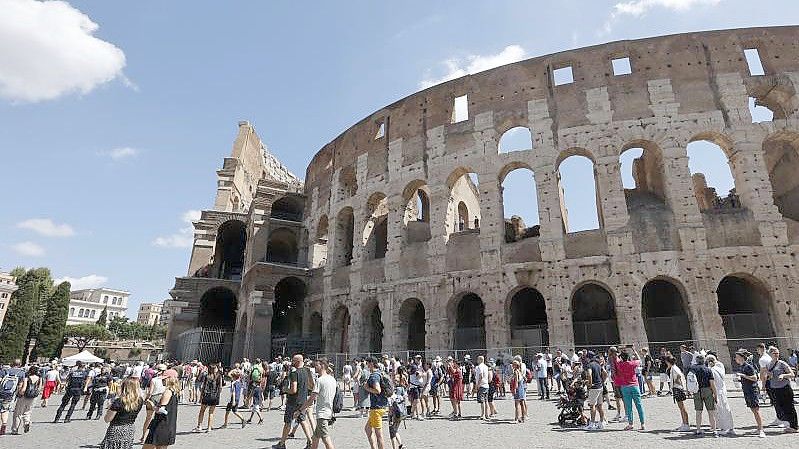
{"points": [[397, 238]]}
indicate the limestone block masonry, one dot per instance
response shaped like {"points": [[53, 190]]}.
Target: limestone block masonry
{"points": [[396, 238]]}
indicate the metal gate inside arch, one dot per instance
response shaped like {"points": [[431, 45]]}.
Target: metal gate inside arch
{"points": [[205, 345]]}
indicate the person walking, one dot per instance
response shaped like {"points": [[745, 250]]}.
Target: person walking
{"points": [[397, 411], [76, 385], [100, 383], [163, 427], [678, 394], [27, 392], [704, 393], [208, 393], [121, 416], [323, 395], [300, 382], [780, 375], [625, 368], [51, 380], [152, 396], [518, 386], [378, 402], [481, 380], [723, 410], [236, 396], [747, 376]]}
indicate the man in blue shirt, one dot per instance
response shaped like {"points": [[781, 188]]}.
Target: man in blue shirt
{"points": [[8, 390], [378, 400]]}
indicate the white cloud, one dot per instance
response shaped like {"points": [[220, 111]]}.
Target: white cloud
{"points": [[88, 281], [48, 50], [457, 68], [120, 153], [28, 249], [47, 227], [184, 238], [638, 8]]}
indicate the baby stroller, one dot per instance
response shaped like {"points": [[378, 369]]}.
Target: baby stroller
{"points": [[571, 405]]}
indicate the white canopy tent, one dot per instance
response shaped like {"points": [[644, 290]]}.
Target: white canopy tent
{"points": [[85, 356]]}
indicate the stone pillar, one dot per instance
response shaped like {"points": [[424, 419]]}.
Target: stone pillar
{"points": [[627, 296], [559, 318], [396, 214], [492, 223], [611, 204], [437, 247], [549, 213], [681, 199], [261, 319]]}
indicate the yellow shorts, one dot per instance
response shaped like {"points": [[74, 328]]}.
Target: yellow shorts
{"points": [[376, 418]]}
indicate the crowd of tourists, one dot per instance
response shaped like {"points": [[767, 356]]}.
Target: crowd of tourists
{"points": [[585, 385]]}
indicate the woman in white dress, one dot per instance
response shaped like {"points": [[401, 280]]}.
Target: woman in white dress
{"points": [[723, 412]]}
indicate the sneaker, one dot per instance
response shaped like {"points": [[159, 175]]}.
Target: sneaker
{"points": [[776, 423], [699, 432], [789, 429], [27, 428], [600, 425], [684, 428], [761, 434], [589, 426]]}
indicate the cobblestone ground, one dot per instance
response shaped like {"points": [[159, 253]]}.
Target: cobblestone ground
{"points": [[541, 430]]}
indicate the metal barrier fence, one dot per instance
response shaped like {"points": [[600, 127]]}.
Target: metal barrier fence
{"points": [[206, 345]]}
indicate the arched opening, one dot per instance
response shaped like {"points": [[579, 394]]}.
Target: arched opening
{"points": [[469, 320], [282, 247], [345, 231], [231, 239], [287, 208], [579, 197], [287, 316], [744, 305], [217, 309], [319, 258], [663, 309], [463, 210], [594, 316], [216, 321], [375, 232], [372, 329], [347, 182], [416, 218], [411, 330], [528, 319], [516, 139], [520, 205], [713, 182], [339, 330], [782, 161]]}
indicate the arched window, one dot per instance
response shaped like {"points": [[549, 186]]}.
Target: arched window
{"points": [[375, 233], [282, 247], [231, 239], [782, 161], [345, 231], [664, 313], [416, 219], [468, 314], [372, 328], [578, 194], [714, 185], [287, 309], [594, 316], [218, 309], [463, 211], [516, 139], [287, 208], [528, 319], [520, 205], [347, 182], [412, 325], [319, 258]]}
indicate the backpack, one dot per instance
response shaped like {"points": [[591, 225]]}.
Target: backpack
{"points": [[386, 386], [338, 401], [32, 390], [692, 384], [8, 387], [255, 375], [528, 376]]}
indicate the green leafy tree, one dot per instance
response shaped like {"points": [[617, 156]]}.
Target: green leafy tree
{"points": [[120, 327], [102, 320], [50, 339], [22, 309], [45, 290], [82, 334]]}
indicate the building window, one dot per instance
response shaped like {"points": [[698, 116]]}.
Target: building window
{"points": [[80, 313], [105, 298], [92, 315], [71, 311]]}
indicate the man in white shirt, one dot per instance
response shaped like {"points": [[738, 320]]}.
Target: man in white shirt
{"points": [[481, 380], [324, 393], [137, 370]]}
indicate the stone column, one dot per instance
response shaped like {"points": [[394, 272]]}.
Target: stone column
{"points": [[396, 213], [611, 204], [559, 318], [627, 296], [492, 223], [549, 213], [437, 247], [681, 199], [261, 319]]}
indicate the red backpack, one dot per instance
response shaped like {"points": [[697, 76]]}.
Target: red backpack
{"points": [[528, 376]]}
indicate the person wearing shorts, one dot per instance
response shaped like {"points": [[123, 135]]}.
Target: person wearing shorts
{"points": [[597, 375], [748, 376], [705, 398], [300, 383], [378, 402]]}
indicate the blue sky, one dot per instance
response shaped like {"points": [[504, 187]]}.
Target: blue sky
{"points": [[111, 129]]}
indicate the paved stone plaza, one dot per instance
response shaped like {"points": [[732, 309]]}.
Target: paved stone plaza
{"points": [[540, 430]]}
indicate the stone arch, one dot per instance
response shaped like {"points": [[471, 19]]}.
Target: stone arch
{"points": [[646, 170], [371, 327], [319, 254], [593, 309], [411, 333], [518, 138], [231, 241], [781, 152], [571, 166], [745, 305], [338, 334], [287, 208], [416, 218], [218, 308], [463, 209], [703, 164], [375, 230], [526, 313], [347, 182], [521, 219], [282, 247], [345, 232], [466, 314], [287, 309], [665, 312]]}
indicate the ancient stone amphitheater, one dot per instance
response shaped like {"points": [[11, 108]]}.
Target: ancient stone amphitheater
{"points": [[397, 238]]}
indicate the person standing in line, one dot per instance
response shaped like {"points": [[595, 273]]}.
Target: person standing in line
{"points": [[121, 417], [677, 381], [426, 387], [456, 388], [494, 380], [705, 397], [347, 377], [518, 386], [27, 392], [378, 402], [397, 410], [747, 376], [299, 384], [723, 410], [323, 395], [236, 396], [152, 396], [481, 381], [100, 383], [780, 375], [597, 377], [208, 394], [540, 368], [625, 368], [51, 380], [163, 427], [77, 384]]}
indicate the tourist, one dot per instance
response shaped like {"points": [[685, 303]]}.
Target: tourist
{"points": [[121, 416], [596, 376], [540, 369], [764, 361], [258, 394], [52, 379], [271, 384], [686, 358], [208, 393], [27, 392], [494, 381], [455, 388], [468, 375], [76, 385], [198, 374], [426, 387], [550, 369], [621, 414], [780, 375], [397, 411], [625, 368], [648, 370], [323, 395], [378, 401], [678, 393], [700, 382], [436, 381], [723, 411], [347, 377], [363, 396], [152, 396], [163, 427], [300, 383], [481, 381], [747, 376], [518, 385], [415, 381], [100, 383], [10, 377], [236, 394]]}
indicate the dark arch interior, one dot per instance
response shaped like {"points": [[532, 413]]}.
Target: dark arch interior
{"points": [[594, 316], [287, 308], [230, 243], [345, 233], [373, 329], [528, 318], [287, 208], [339, 332], [423, 206], [377, 244], [218, 309], [663, 311], [412, 320], [282, 247], [744, 308], [470, 323], [316, 324]]}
